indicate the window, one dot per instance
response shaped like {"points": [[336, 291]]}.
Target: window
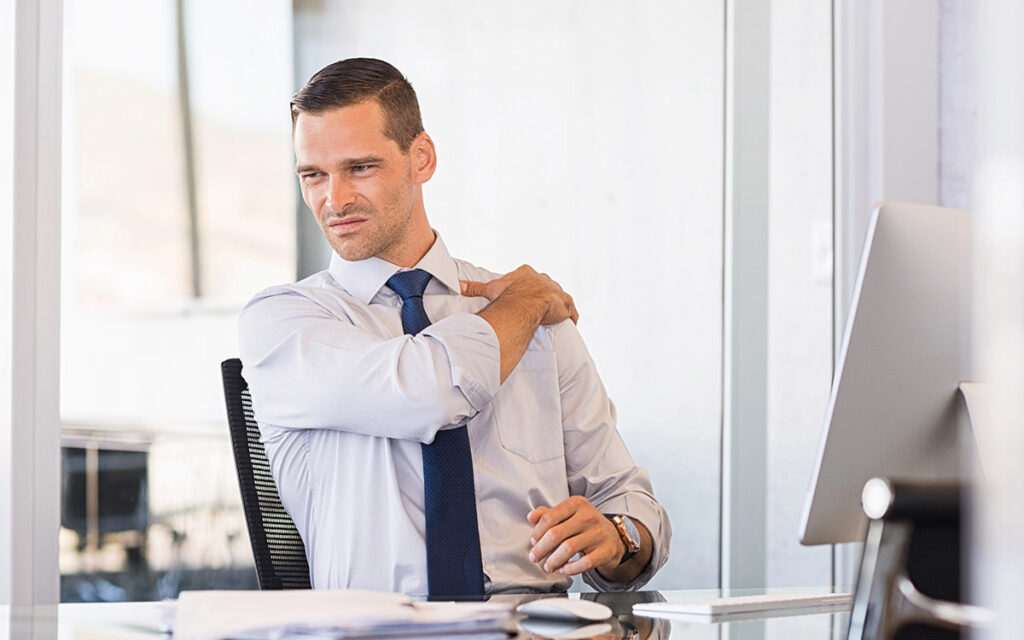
{"points": [[178, 205]]}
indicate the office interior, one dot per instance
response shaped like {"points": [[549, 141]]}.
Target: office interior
{"points": [[699, 175]]}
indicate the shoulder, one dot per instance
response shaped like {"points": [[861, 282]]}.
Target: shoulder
{"points": [[469, 271], [303, 288], [567, 339], [280, 311], [315, 295]]}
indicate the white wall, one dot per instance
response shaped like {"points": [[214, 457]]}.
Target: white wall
{"points": [[958, 101], [996, 547], [886, 119], [799, 279], [6, 278], [584, 138]]}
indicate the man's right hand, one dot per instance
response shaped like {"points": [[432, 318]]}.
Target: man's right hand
{"points": [[521, 301]]}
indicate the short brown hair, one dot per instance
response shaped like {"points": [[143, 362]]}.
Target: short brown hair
{"points": [[348, 82]]}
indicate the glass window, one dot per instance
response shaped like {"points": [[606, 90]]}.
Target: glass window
{"points": [[178, 205]]}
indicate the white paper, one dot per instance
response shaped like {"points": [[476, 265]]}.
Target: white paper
{"points": [[212, 615]]}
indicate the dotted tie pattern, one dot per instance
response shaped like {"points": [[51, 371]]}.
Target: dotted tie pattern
{"points": [[454, 568]]}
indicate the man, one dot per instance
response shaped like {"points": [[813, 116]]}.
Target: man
{"points": [[433, 428]]}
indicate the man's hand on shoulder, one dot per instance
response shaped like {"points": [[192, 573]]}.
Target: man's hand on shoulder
{"points": [[576, 526], [521, 301], [526, 287]]}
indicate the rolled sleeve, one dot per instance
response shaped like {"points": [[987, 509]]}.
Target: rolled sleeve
{"points": [[308, 368], [473, 351], [651, 514]]}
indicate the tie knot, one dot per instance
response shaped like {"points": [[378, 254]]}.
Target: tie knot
{"points": [[409, 284]]}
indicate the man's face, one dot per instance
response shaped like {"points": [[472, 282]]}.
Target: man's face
{"points": [[356, 181]]}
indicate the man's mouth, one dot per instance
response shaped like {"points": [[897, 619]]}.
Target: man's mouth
{"points": [[341, 226]]}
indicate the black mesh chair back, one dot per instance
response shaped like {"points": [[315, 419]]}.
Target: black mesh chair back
{"points": [[276, 544]]}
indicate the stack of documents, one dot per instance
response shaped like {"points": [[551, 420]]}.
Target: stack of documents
{"points": [[214, 615]]}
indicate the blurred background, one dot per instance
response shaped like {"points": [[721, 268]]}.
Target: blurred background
{"points": [[592, 139], [178, 205]]}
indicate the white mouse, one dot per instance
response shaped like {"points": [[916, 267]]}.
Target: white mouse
{"points": [[565, 609]]}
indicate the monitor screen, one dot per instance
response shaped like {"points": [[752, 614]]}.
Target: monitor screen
{"points": [[894, 410]]}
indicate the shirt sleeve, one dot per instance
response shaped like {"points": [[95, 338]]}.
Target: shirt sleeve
{"points": [[598, 465], [309, 369]]}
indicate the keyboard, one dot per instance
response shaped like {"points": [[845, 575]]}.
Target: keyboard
{"points": [[778, 603]]}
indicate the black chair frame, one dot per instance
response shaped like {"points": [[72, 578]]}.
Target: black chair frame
{"points": [[277, 547]]}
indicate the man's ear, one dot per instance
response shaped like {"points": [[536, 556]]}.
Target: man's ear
{"points": [[423, 157]]}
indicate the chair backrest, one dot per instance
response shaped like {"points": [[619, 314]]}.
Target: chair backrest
{"points": [[276, 545]]}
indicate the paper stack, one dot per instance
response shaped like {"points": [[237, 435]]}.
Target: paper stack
{"points": [[349, 614]]}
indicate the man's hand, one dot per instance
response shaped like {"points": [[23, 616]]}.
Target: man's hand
{"points": [[521, 301], [576, 526], [528, 288]]}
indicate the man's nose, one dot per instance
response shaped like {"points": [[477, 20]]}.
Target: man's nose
{"points": [[340, 194]]}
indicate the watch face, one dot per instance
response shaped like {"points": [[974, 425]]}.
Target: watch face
{"points": [[628, 533], [634, 533]]}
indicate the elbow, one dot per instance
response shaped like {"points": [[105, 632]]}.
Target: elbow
{"points": [[433, 394], [435, 412]]}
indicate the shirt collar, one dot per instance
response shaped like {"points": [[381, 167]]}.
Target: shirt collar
{"points": [[365, 278]]}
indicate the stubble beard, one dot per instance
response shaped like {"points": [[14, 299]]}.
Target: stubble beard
{"points": [[377, 237]]}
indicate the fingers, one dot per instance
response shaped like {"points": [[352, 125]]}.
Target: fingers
{"points": [[573, 527], [526, 283], [472, 289], [496, 287], [489, 290], [562, 307], [535, 515], [603, 555], [593, 549], [573, 313], [552, 516]]}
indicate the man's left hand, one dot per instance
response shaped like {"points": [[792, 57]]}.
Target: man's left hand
{"points": [[570, 527]]}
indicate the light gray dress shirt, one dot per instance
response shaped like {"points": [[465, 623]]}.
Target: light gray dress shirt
{"points": [[344, 398]]}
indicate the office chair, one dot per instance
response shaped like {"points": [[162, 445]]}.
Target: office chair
{"points": [[276, 546]]}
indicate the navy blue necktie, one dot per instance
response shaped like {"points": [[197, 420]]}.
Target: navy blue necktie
{"points": [[454, 568]]}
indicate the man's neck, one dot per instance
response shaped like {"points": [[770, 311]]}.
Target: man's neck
{"points": [[410, 256]]}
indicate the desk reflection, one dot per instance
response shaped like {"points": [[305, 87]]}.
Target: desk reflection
{"points": [[625, 625]]}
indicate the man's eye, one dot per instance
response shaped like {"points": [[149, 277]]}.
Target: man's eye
{"points": [[361, 168], [310, 176]]}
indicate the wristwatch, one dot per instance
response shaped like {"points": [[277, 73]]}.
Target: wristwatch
{"points": [[629, 534]]}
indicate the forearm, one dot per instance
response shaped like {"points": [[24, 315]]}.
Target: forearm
{"points": [[311, 371], [521, 302], [628, 492], [514, 322]]}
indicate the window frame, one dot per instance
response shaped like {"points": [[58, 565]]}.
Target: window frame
{"points": [[29, 432]]}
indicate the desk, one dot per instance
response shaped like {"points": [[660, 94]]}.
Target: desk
{"points": [[627, 626], [129, 621]]}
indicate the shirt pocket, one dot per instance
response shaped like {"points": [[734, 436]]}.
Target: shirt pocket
{"points": [[528, 409]]}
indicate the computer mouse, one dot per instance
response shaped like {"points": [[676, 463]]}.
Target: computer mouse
{"points": [[565, 609]]}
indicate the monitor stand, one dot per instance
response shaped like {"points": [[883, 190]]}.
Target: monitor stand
{"points": [[909, 582]]}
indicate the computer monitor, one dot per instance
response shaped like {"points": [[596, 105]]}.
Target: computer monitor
{"points": [[894, 410]]}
